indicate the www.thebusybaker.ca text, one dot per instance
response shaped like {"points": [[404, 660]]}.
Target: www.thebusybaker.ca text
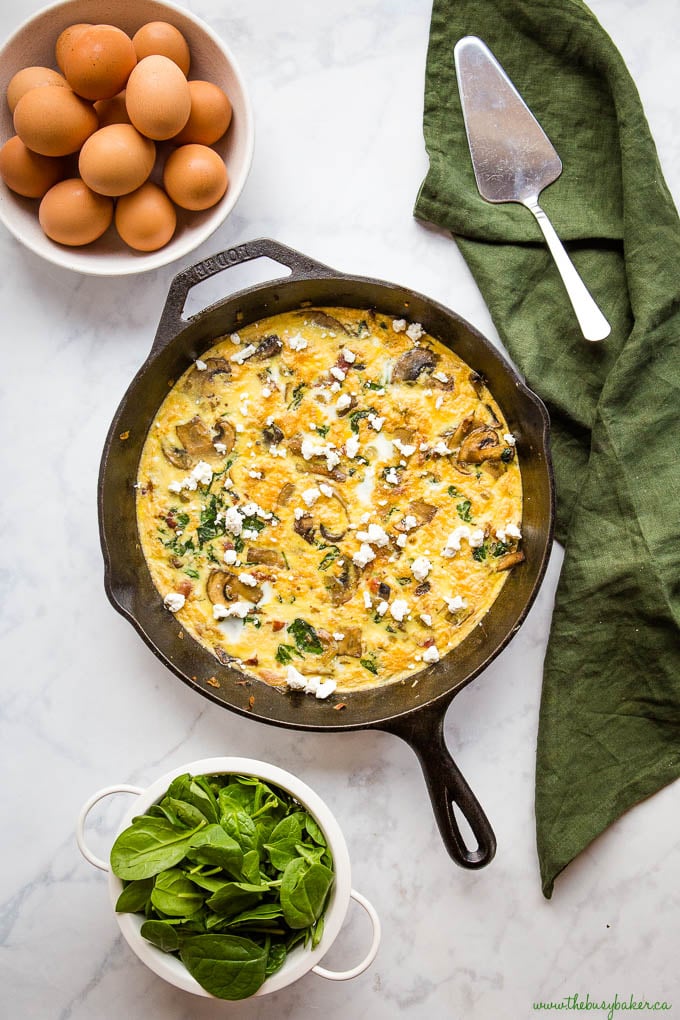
{"points": [[609, 1007]]}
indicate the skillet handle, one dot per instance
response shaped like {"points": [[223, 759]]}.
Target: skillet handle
{"points": [[424, 732], [171, 320]]}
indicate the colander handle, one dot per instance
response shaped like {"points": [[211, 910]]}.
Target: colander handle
{"points": [[345, 975], [300, 266], [82, 818]]}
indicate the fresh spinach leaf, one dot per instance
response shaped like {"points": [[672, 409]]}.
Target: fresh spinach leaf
{"points": [[149, 846], [228, 966], [161, 934], [173, 893], [212, 845], [134, 896], [304, 888]]}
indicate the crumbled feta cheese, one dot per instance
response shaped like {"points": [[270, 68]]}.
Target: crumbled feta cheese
{"points": [[237, 609], [399, 325], [174, 601], [401, 541], [510, 439], [415, 331], [238, 426], [399, 609], [310, 449], [278, 451], [299, 513], [349, 356], [266, 392], [335, 387], [255, 474], [310, 496], [248, 579], [476, 538], [235, 339], [175, 486], [375, 422], [325, 490], [455, 603], [441, 448], [295, 680], [420, 568], [509, 531], [409, 522], [431, 654], [405, 449], [228, 482], [364, 555], [324, 689], [244, 354], [200, 365], [352, 447], [368, 601], [338, 373], [382, 608], [375, 535], [438, 402], [297, 342], [424, 447], [233, 522], [455, 538], [441, 376], [338, 636], [220, 448], [343, 401], [230, 556], [392, 477], [426, 618], [365, 518]]}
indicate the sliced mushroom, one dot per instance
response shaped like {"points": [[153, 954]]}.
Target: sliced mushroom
{"points": [[480, 445], [222, 587], [177, 455], [351, 642], [196, 437], [422, 588], [268, 346], [322, 319], [510, 560], [478, 383], [319, 466], [272, 434], [466, 426], [217, 370], [384, 590], [225, 433], [423, 511], [286, 494], [493, 418], [267, 557], [304, 527], [404, 435], [411, 365], [342, 586], [332, 536]]}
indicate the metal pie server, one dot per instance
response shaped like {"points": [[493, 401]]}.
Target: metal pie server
{"points": [[514, 160]]}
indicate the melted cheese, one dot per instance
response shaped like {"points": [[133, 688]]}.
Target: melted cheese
{"points": [[353, 538]]}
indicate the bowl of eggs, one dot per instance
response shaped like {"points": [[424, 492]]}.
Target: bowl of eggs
{"points": [[126, 134]]}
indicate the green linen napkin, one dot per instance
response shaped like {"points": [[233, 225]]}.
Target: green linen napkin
{"points": [[609, 724]]}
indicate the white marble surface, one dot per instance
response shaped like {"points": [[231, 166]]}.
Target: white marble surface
{"points": [[84, 703]]}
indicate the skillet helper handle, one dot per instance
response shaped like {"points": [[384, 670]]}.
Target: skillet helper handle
{"points": [[447, 786], [300, 265]]}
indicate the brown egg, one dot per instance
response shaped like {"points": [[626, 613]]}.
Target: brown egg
{"points": [[195, 177], [72, 214], [160, 38], [27, 173], [31, 78], [54, 121], [112, 111], [210, 114], [66, 39], [158, 98], [98, 62], [116, 160], [146, 219]]}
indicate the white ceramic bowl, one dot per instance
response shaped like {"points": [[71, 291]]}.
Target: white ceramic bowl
{"points": [[300, 960], [211, 59]]}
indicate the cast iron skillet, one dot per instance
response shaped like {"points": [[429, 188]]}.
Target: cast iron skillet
{"points": [[414, 713]]}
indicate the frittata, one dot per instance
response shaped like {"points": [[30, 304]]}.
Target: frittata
{"points": [[329, 498]]}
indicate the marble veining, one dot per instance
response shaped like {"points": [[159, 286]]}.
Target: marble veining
{"points": [[337, 88]]}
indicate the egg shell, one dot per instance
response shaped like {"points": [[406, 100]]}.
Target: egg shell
{"points": [[72, 214], [146, 219], [99, 61], [66, 39], [31, 78], [54, 121], [112, 111], [195, 177], [158, 98], [210, 115], [27, 173], [116, 160], [162, 39]]}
